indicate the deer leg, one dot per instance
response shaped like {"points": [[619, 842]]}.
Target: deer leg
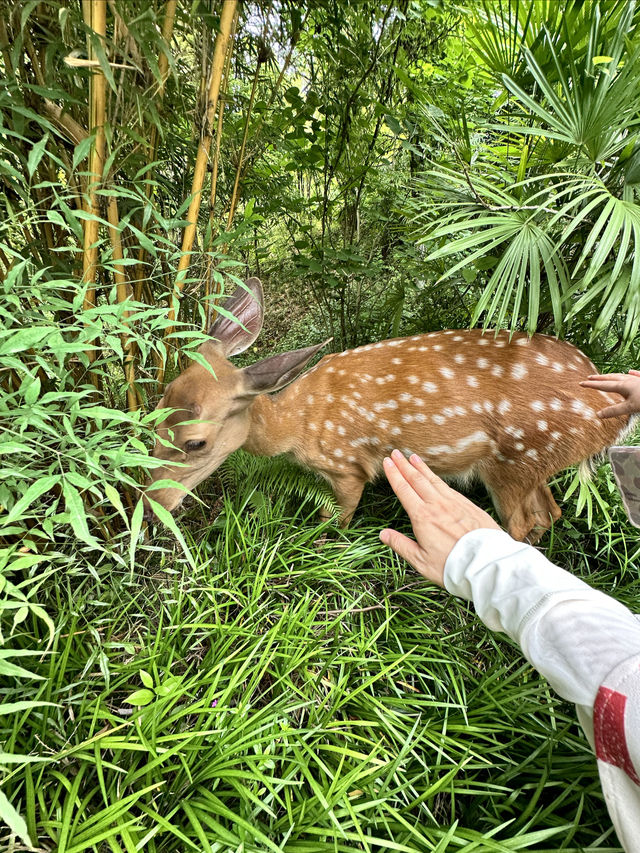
{"points": [[348, 491], [525, 514], [541, 511], [509, 499]]}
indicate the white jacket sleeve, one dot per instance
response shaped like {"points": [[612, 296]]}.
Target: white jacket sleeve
{"points": [[586, 644], [571, 633]]}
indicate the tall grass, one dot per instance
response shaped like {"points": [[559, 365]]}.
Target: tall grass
{"points": [[298, 690]]}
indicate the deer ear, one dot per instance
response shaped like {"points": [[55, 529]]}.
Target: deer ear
{"points": [[272, 374], [239, 318]]}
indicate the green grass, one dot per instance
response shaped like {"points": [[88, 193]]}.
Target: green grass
{"points": [[304, 690]]}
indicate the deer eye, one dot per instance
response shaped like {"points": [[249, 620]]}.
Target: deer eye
{"points": [[196, 444]]}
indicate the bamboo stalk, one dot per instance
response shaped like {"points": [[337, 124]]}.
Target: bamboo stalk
{"points": [[245, 133], [204, 147], [214, 175], [216, 155], [123, 292], [163, 65], [96, 19]]}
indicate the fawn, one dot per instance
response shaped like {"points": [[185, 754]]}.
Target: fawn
{"points": [[505, 409]]}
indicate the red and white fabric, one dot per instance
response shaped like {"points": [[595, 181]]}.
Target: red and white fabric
{"points": [[585, 643]]}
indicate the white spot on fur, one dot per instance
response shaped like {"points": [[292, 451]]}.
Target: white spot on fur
{"points": [[557, 367], [516, 432], [542, 425], [477, 408], [396, 431], [406, 419], [497, 370], [337, 452], [556, 435], [472, 382], [438, 419], [341, 430], [542, 359], [518, 371], [328, 424], [555, 404], [420, 417], [482, 363], [447, 372], [313, 427], [533, 454], [474, 438], [429, 387], [310, 399], [537, 406], [396, 361], [412, 380], [504, 406], [519, 445]]}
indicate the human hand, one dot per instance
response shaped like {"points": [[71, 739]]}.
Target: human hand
{"points": [[439, 516], [625, 384]]}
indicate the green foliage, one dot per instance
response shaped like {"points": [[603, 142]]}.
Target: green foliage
{"points": [[246, 677], [544, 195], [292, 691]]}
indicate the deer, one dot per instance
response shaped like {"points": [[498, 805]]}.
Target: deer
{"points": [[503, 408]]}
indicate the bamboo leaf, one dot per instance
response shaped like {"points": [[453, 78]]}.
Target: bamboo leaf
{"points": [[36, 490], [36, 154]]}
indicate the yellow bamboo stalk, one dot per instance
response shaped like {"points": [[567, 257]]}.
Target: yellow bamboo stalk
{"points": [[163, 65], [214, 174], [96, 19], [204, 147], [216, 155]]}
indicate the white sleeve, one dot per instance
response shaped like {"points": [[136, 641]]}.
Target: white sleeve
{"points": [[572, 634]]}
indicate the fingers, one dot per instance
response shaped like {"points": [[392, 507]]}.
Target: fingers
{"points": [[624, 408], [634, 372], [422, 480], [406, 494], [600, 376], [410, 551], [608, 384], [421, 466]]}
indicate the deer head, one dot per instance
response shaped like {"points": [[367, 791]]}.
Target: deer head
{"points": [[210, 407]]}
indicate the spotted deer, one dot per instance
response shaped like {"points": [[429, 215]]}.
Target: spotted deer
{"points": [[507, 410]]}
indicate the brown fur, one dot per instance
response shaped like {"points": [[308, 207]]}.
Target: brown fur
{"points": [[510, 412]]}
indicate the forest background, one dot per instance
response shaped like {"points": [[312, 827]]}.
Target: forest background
{"points": [[223, 683]]}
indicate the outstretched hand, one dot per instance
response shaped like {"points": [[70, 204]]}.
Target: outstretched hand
{"points": [[625, 384], [439, 515]]}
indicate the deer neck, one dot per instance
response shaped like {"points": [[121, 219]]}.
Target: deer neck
{"points": [[271, 427]]}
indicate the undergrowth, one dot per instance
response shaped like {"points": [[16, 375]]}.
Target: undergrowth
{"points": [[297, 688]]}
